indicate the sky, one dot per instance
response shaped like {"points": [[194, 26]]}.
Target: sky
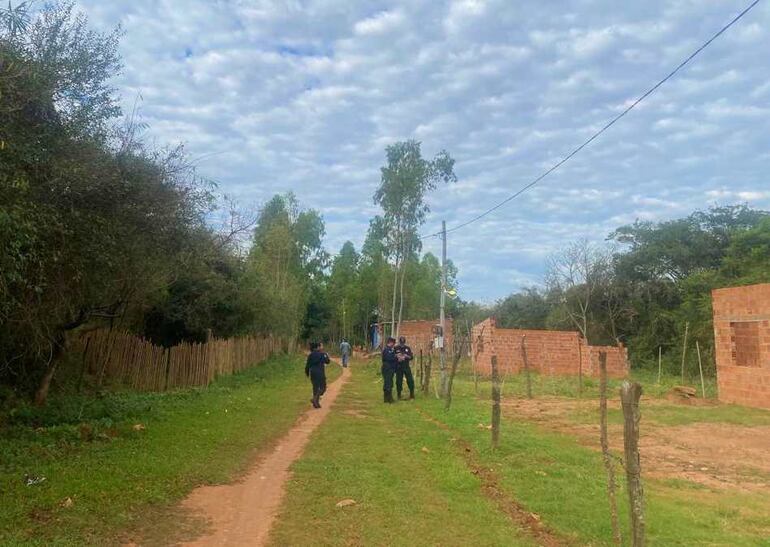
{"points": [[304, 96]]}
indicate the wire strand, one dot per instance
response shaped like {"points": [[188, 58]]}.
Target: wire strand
{"points": [[609, 124]]}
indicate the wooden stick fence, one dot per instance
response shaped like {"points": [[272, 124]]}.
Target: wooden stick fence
{"points": [[124, 358]]}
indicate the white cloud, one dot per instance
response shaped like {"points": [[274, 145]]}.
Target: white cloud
{"points": [[304, 95]]}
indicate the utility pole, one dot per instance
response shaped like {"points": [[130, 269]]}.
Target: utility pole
{"points": [[442, 318]]}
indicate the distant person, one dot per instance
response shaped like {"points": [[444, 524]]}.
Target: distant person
{"points": [[405, 356], [389, 364], [315, 369], [345, 350]]}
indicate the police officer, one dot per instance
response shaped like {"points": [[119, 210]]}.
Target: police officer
{"points": [[315, 369], [389, 366], [405, 356]]}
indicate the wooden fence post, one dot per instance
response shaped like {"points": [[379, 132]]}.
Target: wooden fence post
{"points": [[428, 367], [526, 365], [168, 368], [606, 456], [580, 365], [495, 403], [83, 364], [630, 392], [684, 347], [660, 362], [700, 369], [422, 372]]}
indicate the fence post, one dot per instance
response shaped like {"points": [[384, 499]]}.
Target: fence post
{"points": [[526, 365], [700, 369], [495, 403], [684, 347], [83, 365], [422, 372], [630, 392], [606, 457], [168, 368]]}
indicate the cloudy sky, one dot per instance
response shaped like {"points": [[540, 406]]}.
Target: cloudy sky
{"points": [[304, 95]]}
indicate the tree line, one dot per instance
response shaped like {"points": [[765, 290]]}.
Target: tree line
{"points": [[648, 282], [100, 229]]}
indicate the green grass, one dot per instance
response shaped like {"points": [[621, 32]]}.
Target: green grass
{"points": [[661, 413], [553, 475], [120, 476], [373, 453], [567, 386]]}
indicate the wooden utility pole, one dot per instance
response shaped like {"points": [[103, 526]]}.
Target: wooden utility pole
{"points": [[630, 392], [442, 318]]}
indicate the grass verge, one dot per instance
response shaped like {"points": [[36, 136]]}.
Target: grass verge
{"points": [[113, 462], [551, 474], [410, 481]]}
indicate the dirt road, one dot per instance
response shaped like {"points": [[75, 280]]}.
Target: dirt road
{"points": [[242, 513]]}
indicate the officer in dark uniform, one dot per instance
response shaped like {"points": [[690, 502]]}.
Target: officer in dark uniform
{"points": [[389, 366], [315, 369], [405, 356]]}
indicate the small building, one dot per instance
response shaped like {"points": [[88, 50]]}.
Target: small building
{"points": [[419, 333], [548, 352], [742, 344]]}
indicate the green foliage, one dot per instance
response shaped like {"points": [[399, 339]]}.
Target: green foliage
{"points": [[120, 478], [285, 264], [658, 281], [98, 229]]}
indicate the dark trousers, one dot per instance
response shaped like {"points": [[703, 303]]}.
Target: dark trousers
{"points": [[318, 378], [404, 370], [387, 381]]}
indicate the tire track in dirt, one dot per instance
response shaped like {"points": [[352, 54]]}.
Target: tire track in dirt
{"points": [[243, 513], [527, 521]]}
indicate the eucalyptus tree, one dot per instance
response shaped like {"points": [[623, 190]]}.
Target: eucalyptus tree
{"points": [[404, 183]]}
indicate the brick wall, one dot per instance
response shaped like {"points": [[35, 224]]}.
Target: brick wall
{"points": [[548, 352], [742, 344], [419, 334]]}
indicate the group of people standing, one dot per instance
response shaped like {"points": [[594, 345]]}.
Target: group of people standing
{"points": [[396, 361]]}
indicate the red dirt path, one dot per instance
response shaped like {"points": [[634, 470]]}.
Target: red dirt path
{"points": [[243, 513]]}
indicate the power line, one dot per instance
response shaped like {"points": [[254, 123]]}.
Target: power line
{"points": [[609, 124]]}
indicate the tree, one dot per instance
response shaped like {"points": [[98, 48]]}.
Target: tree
{"points": [[405, 181], [528, 309], [576, 276], [285, 263]]}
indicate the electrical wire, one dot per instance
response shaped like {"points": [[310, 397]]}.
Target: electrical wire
{"points": [[609, 124]]}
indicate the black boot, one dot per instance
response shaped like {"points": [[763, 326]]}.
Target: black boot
{"points": [[411, 395], [388, 397]]}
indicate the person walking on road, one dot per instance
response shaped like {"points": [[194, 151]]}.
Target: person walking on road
{"points": [[345, 351], [315, 369], [405, 356], [389, 365]]}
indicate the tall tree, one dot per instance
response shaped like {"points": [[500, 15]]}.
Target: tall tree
{"points": [[405, 180]]}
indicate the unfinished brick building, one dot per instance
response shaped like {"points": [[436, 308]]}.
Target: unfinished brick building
{"points": [[419, 333], [742, 344], [548, 352]]}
